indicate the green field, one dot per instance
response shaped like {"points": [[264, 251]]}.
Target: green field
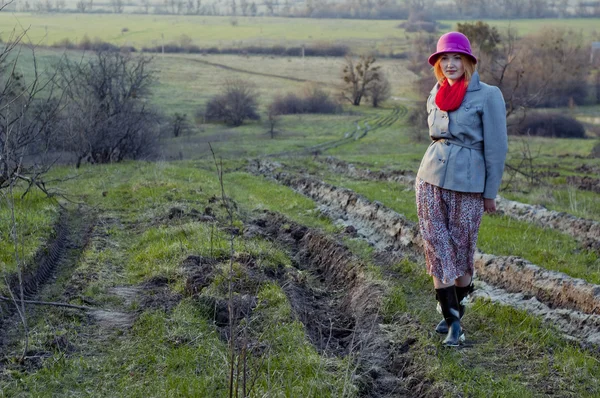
{"points": [[204, 31]]}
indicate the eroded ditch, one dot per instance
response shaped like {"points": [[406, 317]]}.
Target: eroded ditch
{"points": [[566, 297], [332, 298], [584, 230]]}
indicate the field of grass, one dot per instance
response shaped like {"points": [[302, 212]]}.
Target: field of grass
{"points": [[204, 31], [176, 348], [162, 336]]}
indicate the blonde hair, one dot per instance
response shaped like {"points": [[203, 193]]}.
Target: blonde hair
{"points": [[467, 62]]}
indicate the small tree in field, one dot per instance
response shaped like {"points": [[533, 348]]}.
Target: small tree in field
{"points": [[237, 102], [358, 77], [273, 116]]}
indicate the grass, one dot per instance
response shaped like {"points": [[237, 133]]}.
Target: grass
{"points": [[509, 353], [179, 352], [207, 31], [169, 352], [35, 217]]}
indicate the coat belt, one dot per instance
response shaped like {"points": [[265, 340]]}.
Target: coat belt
{"points": [[478, 146]]}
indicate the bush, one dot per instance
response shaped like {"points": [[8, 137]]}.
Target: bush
{"points": [[314, 100], [548, 125], [238, 102]]}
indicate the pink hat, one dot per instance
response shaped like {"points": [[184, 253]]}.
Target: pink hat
{"points": [[452, 42]]}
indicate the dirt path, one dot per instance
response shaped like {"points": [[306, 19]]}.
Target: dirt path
{"points": [[584, 230], [391, 231]]}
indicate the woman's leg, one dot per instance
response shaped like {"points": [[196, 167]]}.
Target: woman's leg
{"points": [[463, 281], [446, 295]]}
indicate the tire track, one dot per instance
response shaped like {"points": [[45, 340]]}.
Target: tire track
{"points": [[70, 233], [358, 134], [391, 231], [233, 69]]}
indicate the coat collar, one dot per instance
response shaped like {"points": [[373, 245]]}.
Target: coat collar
{"points": [[474, 84]]}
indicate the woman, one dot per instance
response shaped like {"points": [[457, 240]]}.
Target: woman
{"points": [[460, 174]]}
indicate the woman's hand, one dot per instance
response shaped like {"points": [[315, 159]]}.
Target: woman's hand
{"points": [[489, 205]]}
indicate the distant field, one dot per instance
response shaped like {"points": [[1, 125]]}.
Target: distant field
{"points": [[205, 31], [186, 82], [152, 30]]}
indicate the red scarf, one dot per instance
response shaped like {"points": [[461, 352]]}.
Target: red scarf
{"points": [[449, 97]]}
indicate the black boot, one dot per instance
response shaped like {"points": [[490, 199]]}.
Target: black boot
{"points": [[450, 309], [461, 293]]}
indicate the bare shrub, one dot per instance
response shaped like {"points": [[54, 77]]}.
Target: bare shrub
{"points": [[314, 100], [290, 104], [379, 91], [179, 124], [29, 111], [108, 119], [548, 125], [554, 65], [237, 102]]}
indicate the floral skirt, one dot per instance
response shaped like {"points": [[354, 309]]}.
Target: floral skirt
{"points": [[449, 223]]}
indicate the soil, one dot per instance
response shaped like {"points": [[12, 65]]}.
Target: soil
{"points": [[585, 183]]}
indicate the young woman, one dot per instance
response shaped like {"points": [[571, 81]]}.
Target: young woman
{"points": [[460, 174]]}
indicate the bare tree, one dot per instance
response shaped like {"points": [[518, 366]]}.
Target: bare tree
{"points": [[270, 4], [358, 76], [108, 118], [238, 102], [179, 124], [244, 6], [81, 5], [28, 112], [272, 119], [117, 6], [146, 6]]}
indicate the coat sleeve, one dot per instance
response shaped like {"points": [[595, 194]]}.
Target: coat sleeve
{"points": [[495, 141]]}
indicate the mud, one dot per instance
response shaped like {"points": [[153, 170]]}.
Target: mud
{"points": [[340, 309], [390, 231], [585, 183]]}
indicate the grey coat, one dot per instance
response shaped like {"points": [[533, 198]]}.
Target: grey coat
{"points": [[470, 143]]}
